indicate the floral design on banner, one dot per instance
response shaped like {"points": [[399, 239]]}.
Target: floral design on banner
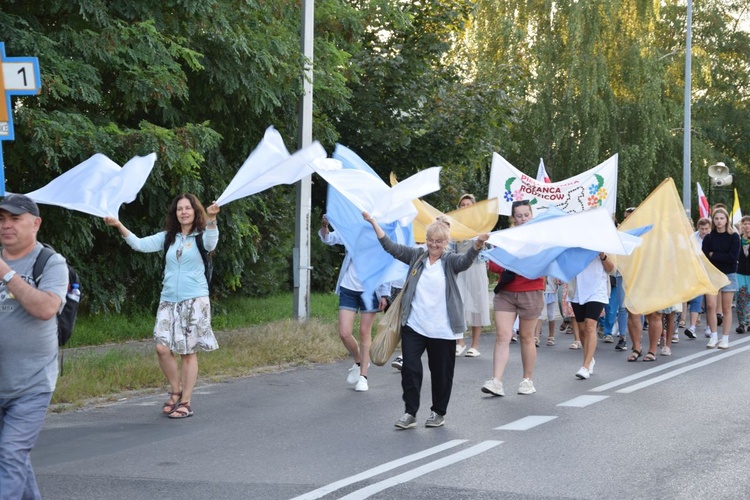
{"points": [[598, 193]]}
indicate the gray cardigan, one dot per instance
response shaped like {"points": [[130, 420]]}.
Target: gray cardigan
{"points": [[452, 265]]}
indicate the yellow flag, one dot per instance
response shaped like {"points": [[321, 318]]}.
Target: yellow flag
{"points": [[736, 212], [466, 223], [668, 268]]}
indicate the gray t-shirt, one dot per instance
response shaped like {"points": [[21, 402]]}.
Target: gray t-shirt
{"points": [[28, 346]]}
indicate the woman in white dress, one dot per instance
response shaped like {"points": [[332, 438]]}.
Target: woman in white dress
{"points": [[473, 285]]}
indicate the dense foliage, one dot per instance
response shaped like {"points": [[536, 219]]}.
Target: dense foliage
{"points": [[407, 85]]}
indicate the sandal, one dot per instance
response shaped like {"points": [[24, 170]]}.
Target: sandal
{"points": [[551, 341], [650, 356], [576, 345], [170, 405], [182, 411], [634, 355]]}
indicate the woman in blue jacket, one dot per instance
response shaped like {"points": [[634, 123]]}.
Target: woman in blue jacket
{"points": [[183, 319]]}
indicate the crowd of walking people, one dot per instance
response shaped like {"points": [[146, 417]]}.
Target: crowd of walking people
{"points": [[442, 302]]}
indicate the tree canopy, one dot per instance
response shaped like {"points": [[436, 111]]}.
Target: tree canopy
{"points": [[406, 85]]}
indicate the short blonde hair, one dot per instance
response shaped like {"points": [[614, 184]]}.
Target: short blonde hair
{"points": [[439, 229]]}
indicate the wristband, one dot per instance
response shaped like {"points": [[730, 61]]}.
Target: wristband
{"points": [[9, 276]]}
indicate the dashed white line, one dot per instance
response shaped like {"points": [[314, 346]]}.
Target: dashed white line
{"points": [[420, 471], [583, 401], [320, 492], [526, 423]]}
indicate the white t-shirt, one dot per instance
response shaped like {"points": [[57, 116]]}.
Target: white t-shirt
{"points": [[591, 284], [429, 311]]}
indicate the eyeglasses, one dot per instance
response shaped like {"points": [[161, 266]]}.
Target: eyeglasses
{"points": [[430, 241]]}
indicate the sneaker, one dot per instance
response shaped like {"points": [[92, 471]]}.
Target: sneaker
{"points": [[690, 332], [591, 368], [460, 349], [576, 345], [712, 342], [707, 332], [398, 363], [514, 338], [526, 387], [740, 329], [353, 375], [723, 343], [537, 341], [609, 339], [666, 351], [408, 421], [494, 387], [583, 373], [675, 338], [361, 384], [435, 420], [622, 345], [472, 353]]}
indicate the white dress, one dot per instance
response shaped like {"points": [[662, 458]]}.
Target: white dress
{"points": [[474, 285]]}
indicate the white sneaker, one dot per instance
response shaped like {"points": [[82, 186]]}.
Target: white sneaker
{"points": [[723, 344], [526, 387], [707, 332], [398, 363], [582, 373], [675, 338], [353, 375], [494, 387], [473, 353], [361, 384], [460, 349], [666, 351], [712, 343]]}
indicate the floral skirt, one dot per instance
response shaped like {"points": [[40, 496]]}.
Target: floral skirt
{"points": [[185, 327]]}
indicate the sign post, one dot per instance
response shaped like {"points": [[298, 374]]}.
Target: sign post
{"points": [[19, 76]]}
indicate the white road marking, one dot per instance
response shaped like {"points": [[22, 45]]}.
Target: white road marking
{"points": [[674, 373], [421, 471], [583, 401], [320, 492], [526, 423], [662, 367]]}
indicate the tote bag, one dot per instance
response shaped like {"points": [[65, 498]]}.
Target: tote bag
{"points": [[389, 333]]}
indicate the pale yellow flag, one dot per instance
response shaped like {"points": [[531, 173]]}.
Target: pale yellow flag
{"points": [[466, 223], [668, 268]]}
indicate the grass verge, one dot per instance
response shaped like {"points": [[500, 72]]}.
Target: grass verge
{"points": [[105, 360]]}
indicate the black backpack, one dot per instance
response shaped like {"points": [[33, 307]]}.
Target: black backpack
{"points": [[208, 264], [66, 319]]}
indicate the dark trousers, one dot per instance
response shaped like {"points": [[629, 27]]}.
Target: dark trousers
{"points": [[441, 359]]}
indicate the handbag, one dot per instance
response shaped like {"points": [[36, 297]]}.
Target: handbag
{"points": [[388, 334], [389, 327]]}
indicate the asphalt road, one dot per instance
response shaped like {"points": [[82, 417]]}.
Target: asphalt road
{"points": [[672, 429]]}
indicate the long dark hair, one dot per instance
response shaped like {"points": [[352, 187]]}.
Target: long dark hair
{"points": [[172, 225]]}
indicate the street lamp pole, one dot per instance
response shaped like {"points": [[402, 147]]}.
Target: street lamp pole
{"points": [[686, 127], [303, 207]]}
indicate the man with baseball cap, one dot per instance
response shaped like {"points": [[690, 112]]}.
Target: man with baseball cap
{"points": [[28, 342]]}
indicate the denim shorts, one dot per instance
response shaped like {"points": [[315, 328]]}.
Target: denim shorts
{"points": [[732, 286], [353, 301]]}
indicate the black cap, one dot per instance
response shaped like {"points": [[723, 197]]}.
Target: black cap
{"points": [[18, 204]]}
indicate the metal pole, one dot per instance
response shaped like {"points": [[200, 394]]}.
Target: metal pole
{"points": [[301, 254], [686, 128]]}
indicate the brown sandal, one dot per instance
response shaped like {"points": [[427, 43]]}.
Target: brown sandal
{"points": [[170, 405], [182, 411]]}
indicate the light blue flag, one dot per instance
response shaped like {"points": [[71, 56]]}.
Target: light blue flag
{"points": [[561, 262], [372, 264]]}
